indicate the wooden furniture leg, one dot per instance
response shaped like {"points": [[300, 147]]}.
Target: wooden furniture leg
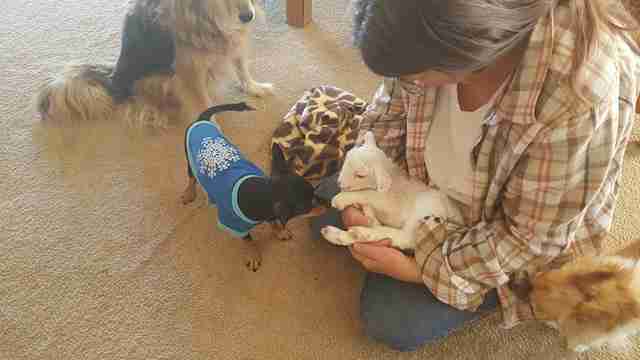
{"points": [[298, 12]]}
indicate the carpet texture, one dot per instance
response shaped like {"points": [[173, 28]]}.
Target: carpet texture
{"points": [[99, 260]]}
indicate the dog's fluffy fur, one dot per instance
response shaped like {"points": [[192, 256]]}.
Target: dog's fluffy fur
{"points": [[173, 54], [592, 302], [393, 203]]}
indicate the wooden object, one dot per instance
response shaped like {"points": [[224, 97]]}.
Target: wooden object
{"points": [[298, 12]]}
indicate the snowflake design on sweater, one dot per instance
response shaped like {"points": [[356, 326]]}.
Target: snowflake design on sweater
{"points": [[216, 156]]}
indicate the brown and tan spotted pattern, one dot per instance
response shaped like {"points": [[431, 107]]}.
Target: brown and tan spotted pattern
{"points": [[318, 130]]}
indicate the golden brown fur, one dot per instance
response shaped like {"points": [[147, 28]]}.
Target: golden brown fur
{"points": [[593, 301], [209, 42]]}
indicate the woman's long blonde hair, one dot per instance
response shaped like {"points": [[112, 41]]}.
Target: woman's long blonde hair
{"points": [[590, 18]]}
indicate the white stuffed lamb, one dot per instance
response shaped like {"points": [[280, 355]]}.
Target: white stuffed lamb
{"points": [[394, 203]]}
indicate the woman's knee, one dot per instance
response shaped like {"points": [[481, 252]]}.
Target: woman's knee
{"points": [[388, 315], [381, 327], [407, 316]]}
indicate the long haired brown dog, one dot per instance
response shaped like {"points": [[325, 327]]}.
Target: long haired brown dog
{"points": [[592, 302], [173, 54]]}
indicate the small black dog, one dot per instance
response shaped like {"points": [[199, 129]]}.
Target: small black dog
{"points": [[243, 194]]}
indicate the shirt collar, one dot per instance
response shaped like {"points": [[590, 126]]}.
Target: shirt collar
{"points": [[518, 104]]}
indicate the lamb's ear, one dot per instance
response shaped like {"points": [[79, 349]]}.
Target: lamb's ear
{"points": [[370, 139], [383, 179]]}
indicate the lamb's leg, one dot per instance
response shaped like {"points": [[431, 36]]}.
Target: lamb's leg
{"points": [[399, 238], [367, 210], [358, 198]]}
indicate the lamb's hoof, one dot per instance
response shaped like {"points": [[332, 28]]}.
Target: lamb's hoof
{"points": [[431, 220], [427, 225], [338, 202], [259, 89], [334, 235]]}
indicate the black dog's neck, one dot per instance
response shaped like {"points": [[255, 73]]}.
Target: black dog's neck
{"points": [[256, 199]]}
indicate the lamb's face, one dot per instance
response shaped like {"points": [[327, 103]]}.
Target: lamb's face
{"points": [[361, 165]]}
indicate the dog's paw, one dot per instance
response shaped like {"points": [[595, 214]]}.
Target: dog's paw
{"points": [[254, 260], [188, 196], [336, 236], [259, 89], [253, 264], [254, 257], [285, 235]]}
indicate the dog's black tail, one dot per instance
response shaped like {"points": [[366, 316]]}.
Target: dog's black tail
{"points": [[207, 114]]}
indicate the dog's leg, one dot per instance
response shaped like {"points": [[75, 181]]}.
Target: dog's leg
{"points": [[191, 85], [254, 258], [189, 194], [249, 85]]}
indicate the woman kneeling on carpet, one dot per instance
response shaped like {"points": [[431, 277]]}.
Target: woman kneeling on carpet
{"points": [[520, 111]]}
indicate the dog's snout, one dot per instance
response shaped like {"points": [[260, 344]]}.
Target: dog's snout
{"points": [[247, 16]]}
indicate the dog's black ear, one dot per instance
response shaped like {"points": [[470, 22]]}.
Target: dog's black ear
{"points": [[207, 114], [279, 165]]}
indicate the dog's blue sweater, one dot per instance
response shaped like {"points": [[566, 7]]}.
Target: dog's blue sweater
{"points": [[220, 169]]}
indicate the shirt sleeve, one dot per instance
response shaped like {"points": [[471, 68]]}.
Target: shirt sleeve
{"points": [[386, 118], [564, 174]]}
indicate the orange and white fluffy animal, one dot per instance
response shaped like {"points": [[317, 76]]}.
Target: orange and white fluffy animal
{"points": [[592, 302]]}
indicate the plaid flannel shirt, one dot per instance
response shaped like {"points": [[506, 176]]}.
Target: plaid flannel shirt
{"points": [[547, 166]]}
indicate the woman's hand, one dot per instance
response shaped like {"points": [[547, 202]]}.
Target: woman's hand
{"points": [[380, 258]]}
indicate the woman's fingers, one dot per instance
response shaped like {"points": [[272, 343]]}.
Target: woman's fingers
{"points": [[366, 262]]}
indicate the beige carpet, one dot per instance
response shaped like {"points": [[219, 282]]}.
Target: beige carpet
{"points": [[98, 259]]}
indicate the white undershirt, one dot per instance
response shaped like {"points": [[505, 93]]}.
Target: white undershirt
{"points": [[450, 142]]}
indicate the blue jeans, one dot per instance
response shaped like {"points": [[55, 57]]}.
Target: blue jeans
{"points": [[403, 316]]}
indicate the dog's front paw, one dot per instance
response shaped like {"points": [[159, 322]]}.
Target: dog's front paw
{"points": [[254, 260], [189, 195], [285, 235], [258, 89], [254, 257], [253, 264]]}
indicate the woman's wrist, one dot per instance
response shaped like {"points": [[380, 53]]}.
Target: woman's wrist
{"points": [[412, 273]]}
